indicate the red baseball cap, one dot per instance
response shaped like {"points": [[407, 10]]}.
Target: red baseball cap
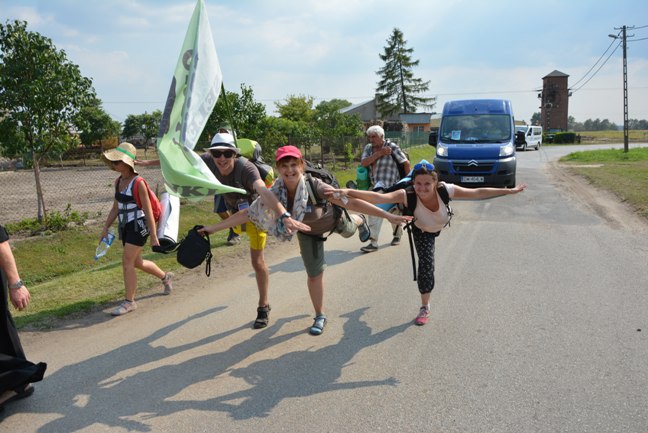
{"points": [[285, 151]]}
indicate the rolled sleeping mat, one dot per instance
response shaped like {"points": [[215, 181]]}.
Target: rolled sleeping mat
{"points": [[169, 223]]}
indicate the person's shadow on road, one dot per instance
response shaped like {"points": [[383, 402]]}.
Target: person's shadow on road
{"points": [[125, 387]]}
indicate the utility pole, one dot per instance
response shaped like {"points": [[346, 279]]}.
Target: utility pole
{"points": [[623, 37]]}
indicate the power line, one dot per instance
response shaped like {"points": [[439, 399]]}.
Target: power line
{"points": [[602, 64], [594, 65]]}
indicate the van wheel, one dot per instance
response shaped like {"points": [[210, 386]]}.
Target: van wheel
{"points": [[512, 183]]}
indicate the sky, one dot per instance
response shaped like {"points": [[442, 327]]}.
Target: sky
{"points": [[328, 49]]}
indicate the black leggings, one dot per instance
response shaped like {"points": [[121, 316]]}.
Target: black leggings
{"points": [[424, 243]]}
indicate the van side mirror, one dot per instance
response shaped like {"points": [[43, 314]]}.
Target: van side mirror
{"points": [[519, 137], [432, 139]]}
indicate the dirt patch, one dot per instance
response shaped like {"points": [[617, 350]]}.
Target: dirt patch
{"points": [[607, 205]]}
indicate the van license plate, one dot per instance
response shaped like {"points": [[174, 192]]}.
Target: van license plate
{"points": [[472, 179]]}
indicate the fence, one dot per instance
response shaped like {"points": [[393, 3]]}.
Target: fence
{"points": [[83, 189]]}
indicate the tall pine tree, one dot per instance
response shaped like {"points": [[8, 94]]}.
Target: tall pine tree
{"points": [[397, 88]]}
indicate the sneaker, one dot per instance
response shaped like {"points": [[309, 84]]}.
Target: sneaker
{"points": [[363, 230], [318, 325], [168, 285], [124, 307], [263, 317], [369, 248], [423, 316], [233, 238], [395, 241]]}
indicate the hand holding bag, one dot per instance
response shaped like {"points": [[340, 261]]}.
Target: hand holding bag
{"points": [[194, 250]]}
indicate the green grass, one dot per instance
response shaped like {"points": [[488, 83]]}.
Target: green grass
{"points": [[63, 277], [613, 136], [623, 173]]}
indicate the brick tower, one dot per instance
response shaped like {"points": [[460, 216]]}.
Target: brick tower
{"points": [[554, 106]]}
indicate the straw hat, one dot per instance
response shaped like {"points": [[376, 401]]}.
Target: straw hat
{"points": [[125, 152]]}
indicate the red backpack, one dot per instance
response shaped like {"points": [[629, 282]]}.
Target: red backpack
{"points": [[155, 203]]}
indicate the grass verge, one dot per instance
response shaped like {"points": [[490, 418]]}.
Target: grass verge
{"points": [[624, 174]]}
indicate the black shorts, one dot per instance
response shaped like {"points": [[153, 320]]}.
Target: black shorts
{"points": [[135, 233]]}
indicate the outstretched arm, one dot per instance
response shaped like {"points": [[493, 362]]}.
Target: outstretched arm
{"points": [[237, 219], [369, 196], [148, 162], [482, 193], [359, 205]]}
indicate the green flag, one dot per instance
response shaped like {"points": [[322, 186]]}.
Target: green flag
{"points": [[194, 90]]}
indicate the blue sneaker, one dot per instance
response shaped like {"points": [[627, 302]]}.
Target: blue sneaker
{"points": [[318, 325]]}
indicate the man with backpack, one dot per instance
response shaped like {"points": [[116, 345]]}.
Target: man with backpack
{"points": [[387, 164], [220, 207], [224, 160], [311, 199]]}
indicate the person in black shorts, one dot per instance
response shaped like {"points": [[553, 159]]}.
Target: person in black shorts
{"points": [[136, 224]]}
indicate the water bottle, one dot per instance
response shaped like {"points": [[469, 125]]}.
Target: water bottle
{"points": [[105, 243]]}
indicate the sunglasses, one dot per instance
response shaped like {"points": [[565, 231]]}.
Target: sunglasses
{"points": [[115, 162], [225, 153], [427, 165]]}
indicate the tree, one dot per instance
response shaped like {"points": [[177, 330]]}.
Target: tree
{"points": [[145, 125], [297, 108], [535, 118], [95, 124], [241, 112], [397, 88], [41, 93], [336, 128]]}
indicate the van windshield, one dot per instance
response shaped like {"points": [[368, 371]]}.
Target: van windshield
{"points": [[477, 128]]}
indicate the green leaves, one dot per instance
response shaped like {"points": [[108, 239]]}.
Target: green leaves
{"points": [[40, 94]]}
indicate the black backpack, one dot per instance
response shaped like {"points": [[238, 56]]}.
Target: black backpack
{"points": [[408, 210], [194, 249], [316, 170]]}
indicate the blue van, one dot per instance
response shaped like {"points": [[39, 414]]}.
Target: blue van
{"points": [[476, 143]]}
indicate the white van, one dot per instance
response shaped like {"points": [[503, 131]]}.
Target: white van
{"points": [[528, 136]]}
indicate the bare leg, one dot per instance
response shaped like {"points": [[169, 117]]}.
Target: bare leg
{"points": [[262, 275], [316, 291], [130, 256]]}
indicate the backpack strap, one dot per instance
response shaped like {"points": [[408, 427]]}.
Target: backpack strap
{"points": [[136, 183], [238, 171], [445, 197], [313, 198]]}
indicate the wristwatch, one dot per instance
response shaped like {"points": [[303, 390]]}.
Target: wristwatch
{"points": [[285, 215], [17, 285]]}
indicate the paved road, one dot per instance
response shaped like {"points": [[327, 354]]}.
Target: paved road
{"points": [[539, 324]]}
